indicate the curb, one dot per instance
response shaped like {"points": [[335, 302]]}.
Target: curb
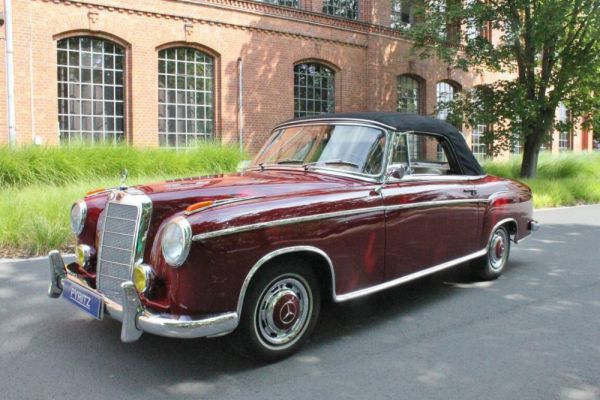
{"points": [[565, 207], [38, 258]]}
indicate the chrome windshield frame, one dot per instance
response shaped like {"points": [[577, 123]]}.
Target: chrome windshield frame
{"points": [[375, 178]]}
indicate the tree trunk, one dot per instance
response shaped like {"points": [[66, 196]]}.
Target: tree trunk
{"points": [[530, 157], [534, 135]]}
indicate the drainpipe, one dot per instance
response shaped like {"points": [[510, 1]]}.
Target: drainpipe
{"points": [[34, 138], [10, 74], [241, 103]]}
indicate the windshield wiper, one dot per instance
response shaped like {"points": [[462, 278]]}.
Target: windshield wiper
{"points": [[340, 161], [289, 161], [328, 162]]}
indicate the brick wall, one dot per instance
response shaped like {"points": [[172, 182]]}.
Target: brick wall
{"points": [[270, 41], [3, 110]]}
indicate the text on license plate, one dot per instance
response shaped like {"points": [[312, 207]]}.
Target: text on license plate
{"points": [[83, 298]]}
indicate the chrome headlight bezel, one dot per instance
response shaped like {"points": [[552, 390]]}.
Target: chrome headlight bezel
{"points": [[82, 254], [78, 216], [180, 227], [148, 276]]}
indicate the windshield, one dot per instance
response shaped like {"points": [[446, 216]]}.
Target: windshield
{"points": [[351, 148]]}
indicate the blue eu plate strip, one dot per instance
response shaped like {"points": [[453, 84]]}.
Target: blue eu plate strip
{"points": [[83, 298]]}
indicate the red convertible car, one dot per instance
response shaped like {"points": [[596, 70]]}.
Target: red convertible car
{"points": [[335, 206]]}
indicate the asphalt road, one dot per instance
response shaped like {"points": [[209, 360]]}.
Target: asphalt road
{"points": [[532, 334]]}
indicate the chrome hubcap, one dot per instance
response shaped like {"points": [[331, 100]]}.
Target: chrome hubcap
{"points": [[497, 250], [283, 311]]}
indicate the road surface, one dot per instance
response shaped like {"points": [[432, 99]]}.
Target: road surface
{"points": [[532, 334]]}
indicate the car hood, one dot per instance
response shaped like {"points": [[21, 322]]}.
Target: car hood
{"points": [[175, 195]]}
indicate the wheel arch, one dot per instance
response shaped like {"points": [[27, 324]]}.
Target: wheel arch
{"points": [[317, 258], [510, 224]]}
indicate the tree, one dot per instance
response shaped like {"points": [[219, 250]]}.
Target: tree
{"points": [[548, 49]]}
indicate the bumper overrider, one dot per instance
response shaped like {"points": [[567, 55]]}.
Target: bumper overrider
{"points": [[135, 318]]}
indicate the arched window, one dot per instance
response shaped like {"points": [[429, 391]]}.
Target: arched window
{"points": [[409, 94], [341, 8], [91, 90], [185, 97], [313, 89], [445, 92]]}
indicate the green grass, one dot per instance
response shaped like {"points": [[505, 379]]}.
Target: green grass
{"points": [[35, 219], [38, 185], [62, 165], [562, 180]]}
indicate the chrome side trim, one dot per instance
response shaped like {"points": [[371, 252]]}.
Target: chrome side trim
{"points": [[358, 293], [284, 221], [434, 178], [433, 203], [273, 254], [408, 278], [334, 214]]}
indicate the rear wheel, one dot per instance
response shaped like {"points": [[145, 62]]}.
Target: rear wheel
{"points": [[281, 308], [492, 265]]}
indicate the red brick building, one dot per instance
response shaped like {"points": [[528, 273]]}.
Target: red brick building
{"points": [[170, 72]]}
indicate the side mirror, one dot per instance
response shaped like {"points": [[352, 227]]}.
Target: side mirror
{"points": [[396, 172]]}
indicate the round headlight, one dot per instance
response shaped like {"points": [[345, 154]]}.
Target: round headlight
{"points": [[176, 241], [78, 214]]}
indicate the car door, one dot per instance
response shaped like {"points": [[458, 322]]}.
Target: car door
{"points": [[431, 213]]}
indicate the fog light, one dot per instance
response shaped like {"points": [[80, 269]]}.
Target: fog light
{"points": [[82, 253], [143, 277]]}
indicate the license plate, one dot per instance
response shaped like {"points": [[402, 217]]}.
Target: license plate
{"points": [[83, 298]]}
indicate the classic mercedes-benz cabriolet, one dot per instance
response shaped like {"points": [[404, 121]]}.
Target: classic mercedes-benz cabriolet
{"points": [[338, 205]]}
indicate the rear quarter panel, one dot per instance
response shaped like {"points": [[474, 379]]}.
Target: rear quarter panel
{"points": [[507, 199]]}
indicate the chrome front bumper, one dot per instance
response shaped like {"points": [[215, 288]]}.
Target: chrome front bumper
{"points": [[135, 318]]}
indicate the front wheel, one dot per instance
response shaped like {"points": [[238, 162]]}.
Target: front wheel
{"points": [[280, 311], [492, 265]]}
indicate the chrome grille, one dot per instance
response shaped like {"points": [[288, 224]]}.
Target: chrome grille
{"points": [[117, 248]]}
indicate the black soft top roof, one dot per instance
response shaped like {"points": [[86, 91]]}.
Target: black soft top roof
{"points": [[412, 122]]}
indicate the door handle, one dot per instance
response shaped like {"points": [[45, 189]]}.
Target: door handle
{"points": [[472, 192]]}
